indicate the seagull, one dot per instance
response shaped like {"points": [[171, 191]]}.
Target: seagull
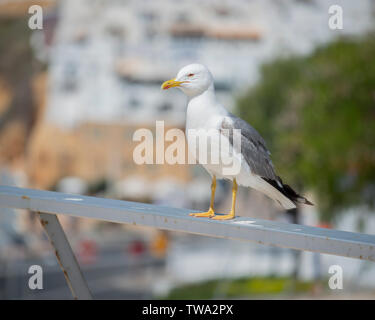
{"points": [[256, 170]]}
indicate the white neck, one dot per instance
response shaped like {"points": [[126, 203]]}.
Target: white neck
{"points": [[203, 108], [207, 94]]}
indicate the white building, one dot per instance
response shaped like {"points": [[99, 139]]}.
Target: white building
{"points": [[110, 56]]}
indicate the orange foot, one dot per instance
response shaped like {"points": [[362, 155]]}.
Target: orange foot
{"points": [[224, 217], [208, 214]]}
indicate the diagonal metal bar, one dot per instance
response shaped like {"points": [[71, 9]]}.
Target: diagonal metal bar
{"points": [[299, 237], [65, 256]]}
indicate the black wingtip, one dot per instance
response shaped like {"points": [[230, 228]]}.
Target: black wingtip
{"points": [[288, 191], [305, 201]]}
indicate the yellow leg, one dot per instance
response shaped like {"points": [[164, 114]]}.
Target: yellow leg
{"points": [[210, 213], [231, 215]]}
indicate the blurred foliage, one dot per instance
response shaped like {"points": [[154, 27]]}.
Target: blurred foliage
{"points": [[241, 287], [317, 115], [17, 66], [17, 57]]}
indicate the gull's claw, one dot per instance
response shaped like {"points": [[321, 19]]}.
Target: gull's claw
{"points": [[224, 217], [208, 214]]}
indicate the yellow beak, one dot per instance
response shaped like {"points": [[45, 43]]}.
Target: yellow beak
{"points": [[171, 83]]}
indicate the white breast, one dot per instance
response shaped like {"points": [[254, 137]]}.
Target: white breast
{"points": [[203, 120]]}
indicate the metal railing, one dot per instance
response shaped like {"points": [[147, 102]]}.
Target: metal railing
{"points": [[286, 235]]}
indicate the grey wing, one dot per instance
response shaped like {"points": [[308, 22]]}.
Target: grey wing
{"points": [[253, 147]]}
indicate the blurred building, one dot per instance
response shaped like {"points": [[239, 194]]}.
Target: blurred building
{"points": [[104, 63], [94, 151], [108, 59]]}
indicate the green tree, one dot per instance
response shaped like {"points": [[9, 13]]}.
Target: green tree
{"points": [[317, 114]]}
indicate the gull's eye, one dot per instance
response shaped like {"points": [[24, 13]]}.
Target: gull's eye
{"points": [[190, 74]]}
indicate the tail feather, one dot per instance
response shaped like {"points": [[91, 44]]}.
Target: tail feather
{"points": [[294, 196], [287, 191]]}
